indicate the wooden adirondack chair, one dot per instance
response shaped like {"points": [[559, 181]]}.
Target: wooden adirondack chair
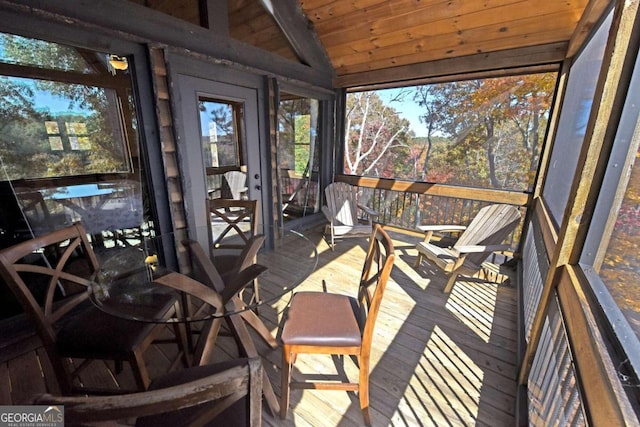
{"points": [[342, 212], [482, 236]]}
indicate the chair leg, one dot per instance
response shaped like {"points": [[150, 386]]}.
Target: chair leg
{"points": [[363, 389], [333, 239], [256, 294], [182, 308], [182, 332], [285, 378], [418, 260], [63, 373], [452, 281], [140, 372]]}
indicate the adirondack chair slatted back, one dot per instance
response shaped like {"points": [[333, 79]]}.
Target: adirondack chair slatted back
{"points": [[341, 201], [236, 182], [490, 226]]}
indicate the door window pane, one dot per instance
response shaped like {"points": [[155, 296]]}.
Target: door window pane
{"points": [[221, 148], [219, 135]]}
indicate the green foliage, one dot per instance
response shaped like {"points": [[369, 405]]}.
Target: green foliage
{"points": [[40, 53]]}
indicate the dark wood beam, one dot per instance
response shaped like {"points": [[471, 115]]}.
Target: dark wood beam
{"points": [[300, 33], [125, 19], [512, 58], [214, 15]]}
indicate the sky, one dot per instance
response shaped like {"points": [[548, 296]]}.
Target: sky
{"points": [[408, 109], [55, 104], [45, 100]]}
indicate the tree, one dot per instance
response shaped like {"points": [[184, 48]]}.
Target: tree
{"points": [[424, 96], [493, 126], [20, 134], [376, 136]]}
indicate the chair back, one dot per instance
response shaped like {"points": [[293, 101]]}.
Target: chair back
{"points": [[175, 403], [233, 227], [342, 203], [236, 183], [231, 223], [377, 268], [35, 211], [491, 226], [60, 262]]}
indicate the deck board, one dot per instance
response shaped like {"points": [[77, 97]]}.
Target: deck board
{"points": [[436, 359]]}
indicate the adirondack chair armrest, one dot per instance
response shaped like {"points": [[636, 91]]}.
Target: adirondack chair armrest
{"points": [[442, 228], [428, 230], [215, 193], [368, 211], [481, 248]]}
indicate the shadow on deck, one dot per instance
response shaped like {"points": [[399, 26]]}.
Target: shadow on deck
{"points": [[436, 359]]}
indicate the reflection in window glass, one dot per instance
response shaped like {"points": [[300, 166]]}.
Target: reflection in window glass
{"points": [[481, 133], [68, 145], [610, 253], [220, 142], [298, 155], [219, 136], [53, 129], [620, 270], [581, 87], [42, 54]]}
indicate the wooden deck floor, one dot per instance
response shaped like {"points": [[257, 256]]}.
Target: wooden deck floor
{"points": [[436, 359]]}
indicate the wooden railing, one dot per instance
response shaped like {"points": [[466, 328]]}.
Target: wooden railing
{"points": [[406, 205]]}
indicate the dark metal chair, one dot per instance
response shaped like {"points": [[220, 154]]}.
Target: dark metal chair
{"points": [[51, 287]]}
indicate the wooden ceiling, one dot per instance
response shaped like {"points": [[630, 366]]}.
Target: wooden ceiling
{"points": [[365, 40]]}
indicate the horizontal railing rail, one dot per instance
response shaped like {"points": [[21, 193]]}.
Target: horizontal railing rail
{"points": [[406, 205]]}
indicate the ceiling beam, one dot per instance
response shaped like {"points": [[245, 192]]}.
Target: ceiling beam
{"points": [[214, 15], [300, 33], [504, 59]]}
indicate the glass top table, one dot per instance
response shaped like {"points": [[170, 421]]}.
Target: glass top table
{"points": [[133, 280]]}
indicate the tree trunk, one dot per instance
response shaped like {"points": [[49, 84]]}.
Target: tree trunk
{"points": [[490, 154]]}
